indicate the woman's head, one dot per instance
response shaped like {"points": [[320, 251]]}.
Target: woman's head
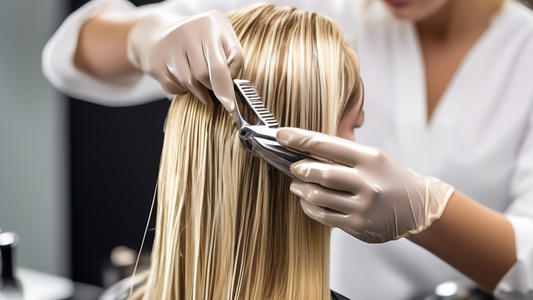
{"points": [[227, 225], [417, 10], [299, 64]]}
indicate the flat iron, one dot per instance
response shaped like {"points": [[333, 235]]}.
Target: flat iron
{"points": [[260, 138]]}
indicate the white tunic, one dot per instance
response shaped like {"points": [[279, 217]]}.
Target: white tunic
{"points": [[480, 138]]}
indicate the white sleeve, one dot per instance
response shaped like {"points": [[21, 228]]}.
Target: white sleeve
{"points": [[58, 66], [518, 282], [57, 56]]}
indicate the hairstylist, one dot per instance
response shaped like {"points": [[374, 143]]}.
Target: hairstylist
{"points": [[448, 95]]}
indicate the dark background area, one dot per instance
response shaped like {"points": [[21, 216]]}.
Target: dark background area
{"points": [[114, 163]]}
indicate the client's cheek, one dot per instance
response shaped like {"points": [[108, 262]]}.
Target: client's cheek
{"points": [[345, 131], [360, 119], [352, 119]]}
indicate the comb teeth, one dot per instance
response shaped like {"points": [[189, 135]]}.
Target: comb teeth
{"points": [[253, 101]]}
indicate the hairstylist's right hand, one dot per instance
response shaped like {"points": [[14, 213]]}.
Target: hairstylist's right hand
{"points": [[367, 193], [190, 54]]}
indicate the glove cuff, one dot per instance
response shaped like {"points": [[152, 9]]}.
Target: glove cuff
{"points": [[144, 34], [436, 197], [138, 33]]}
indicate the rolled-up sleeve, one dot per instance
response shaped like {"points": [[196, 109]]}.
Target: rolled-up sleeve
{"points": [[58, 66], [518, 282]]}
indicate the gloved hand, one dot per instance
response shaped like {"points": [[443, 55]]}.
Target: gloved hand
{"points": [[368, 194], [188, 54]]}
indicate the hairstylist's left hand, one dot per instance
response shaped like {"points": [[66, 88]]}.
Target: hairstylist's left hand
{"points": [[367, 194], [193, 54]]}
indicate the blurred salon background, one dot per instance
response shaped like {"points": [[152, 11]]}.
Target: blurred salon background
{"points": [[76, 179]]}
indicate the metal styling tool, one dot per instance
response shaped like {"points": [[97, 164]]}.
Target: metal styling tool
{"points": [[260, 138]]}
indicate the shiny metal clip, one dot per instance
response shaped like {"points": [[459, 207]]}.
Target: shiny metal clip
{"points": [[260, 139]]}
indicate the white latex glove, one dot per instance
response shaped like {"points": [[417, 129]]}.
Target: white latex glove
{"points": [[368, 195], [188, 54]]}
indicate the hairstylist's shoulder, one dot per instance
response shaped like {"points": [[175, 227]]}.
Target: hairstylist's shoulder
{"points": [[524, 7], [516, 27], [518, 13]]}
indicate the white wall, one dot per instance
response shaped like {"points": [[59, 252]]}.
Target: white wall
{"points": [[33, 137]]}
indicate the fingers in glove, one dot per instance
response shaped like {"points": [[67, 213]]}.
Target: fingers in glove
{"points": [[232, 46], [353, 225], [323, 215], [199, 67], [169, 83], [235, 59], [329, 175], [185, 78], [315, 194], [219, 75], [331, 147]]}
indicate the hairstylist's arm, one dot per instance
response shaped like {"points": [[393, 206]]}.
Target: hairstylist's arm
{"points": [[101, 49], [195, 54], [373, 198]]}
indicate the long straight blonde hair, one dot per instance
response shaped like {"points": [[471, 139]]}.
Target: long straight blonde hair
{"points": [[227, 225]]}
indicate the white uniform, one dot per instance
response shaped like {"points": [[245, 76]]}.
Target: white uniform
{"points": [[480, 138]]}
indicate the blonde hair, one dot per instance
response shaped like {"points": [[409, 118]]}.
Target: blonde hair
{"points": [[227, 225]]}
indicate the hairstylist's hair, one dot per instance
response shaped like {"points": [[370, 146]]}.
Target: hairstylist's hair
{"points": [[227, 225]]}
